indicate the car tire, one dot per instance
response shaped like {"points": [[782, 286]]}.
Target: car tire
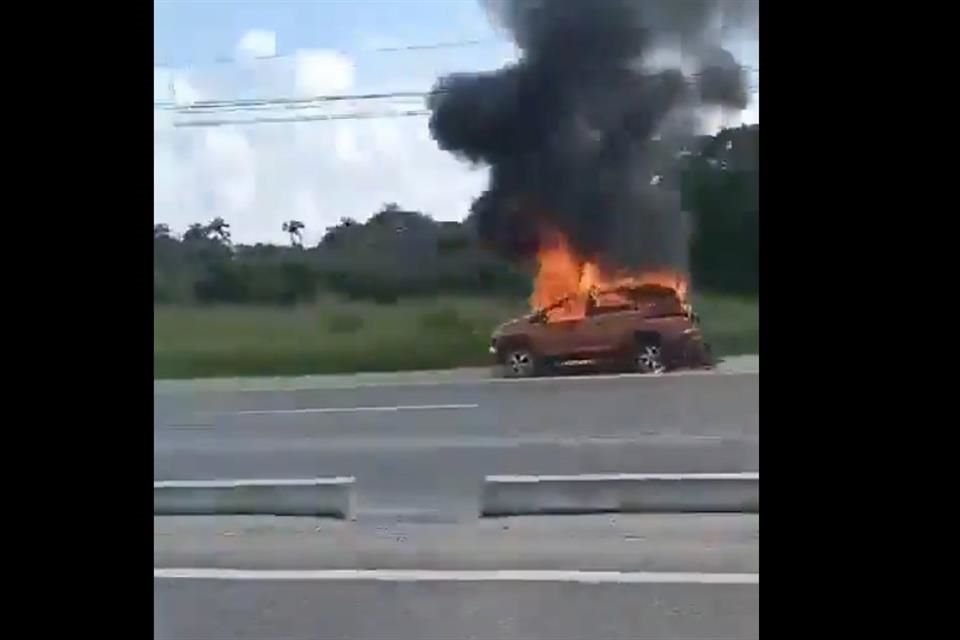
{"points": [[520, 363], [648, 358]]}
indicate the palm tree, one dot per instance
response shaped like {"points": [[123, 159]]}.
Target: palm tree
{"points": [[293, 227], [221, 229]]}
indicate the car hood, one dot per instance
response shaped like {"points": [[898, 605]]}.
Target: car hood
{"points": [[511, 326]]}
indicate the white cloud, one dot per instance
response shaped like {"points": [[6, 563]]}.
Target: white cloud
{"points": [[228, 166], [177, 86], [346, 146], [257, 176], [184, 92], [319, 72], [257, 43]]}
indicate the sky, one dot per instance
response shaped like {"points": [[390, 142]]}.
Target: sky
{"points": [[256, 176]]}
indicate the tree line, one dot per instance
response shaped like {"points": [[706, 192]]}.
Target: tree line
{"points": [[399, 253]]}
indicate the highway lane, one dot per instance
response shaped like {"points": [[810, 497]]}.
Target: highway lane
{"points": [[693, 403], [421, 450], [714, 543], [656, 576], [374, 609]]}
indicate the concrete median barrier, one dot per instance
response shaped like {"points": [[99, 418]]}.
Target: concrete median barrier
{"points": [[330, 497], [621, 493]]}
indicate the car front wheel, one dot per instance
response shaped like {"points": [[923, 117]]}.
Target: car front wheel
{"points": [[520, 363], [649, 359]]}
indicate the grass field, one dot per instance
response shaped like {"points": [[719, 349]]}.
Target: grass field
{"points": [[335, 336]]}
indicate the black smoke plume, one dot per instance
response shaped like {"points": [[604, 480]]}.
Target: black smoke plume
{"points": [[578, 134]]}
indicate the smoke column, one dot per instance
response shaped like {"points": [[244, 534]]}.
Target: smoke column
{"points": [[576, 132]]}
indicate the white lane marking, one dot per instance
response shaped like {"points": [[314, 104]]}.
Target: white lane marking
{"points": [[417, 575], [590, 477], [377, 409], [258, 482], [414, 442]]}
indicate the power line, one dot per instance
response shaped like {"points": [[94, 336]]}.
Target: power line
{"points": [[226, 60], [201, 105], [232, 60], [368, 115], [443, 45], [283, 108], [204, 122], [238, 104], [306, 118]]}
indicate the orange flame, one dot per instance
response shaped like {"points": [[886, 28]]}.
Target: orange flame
{"points": [[565, 281]]}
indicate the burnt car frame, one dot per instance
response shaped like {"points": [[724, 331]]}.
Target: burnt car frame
{"points": [[647, 330]]}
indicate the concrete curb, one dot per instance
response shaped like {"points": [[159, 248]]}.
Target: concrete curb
{"points": [[623, 493], [747, 364], [331, 497]]}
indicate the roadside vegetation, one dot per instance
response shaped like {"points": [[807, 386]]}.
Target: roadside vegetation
{"points": [[339, 336], [405, 291]]}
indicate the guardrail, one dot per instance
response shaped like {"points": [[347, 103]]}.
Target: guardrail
{"points": [[621, 493], [502, 495], [330, 497]]}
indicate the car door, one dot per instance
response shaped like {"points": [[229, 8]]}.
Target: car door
{"points": [[561, 338], [603, 327]]}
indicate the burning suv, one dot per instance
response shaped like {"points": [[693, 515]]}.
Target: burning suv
{"points": [[648, 329]]}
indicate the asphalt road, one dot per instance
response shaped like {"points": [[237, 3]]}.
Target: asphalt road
{"points": [[420, 450], [324, 610], [553, 578], [715, 543]]}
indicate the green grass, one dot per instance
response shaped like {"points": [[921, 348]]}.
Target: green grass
{"points": [[730, 324], [336, 336]]}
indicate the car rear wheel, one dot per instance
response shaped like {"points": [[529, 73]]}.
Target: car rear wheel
{"points": [[520, 363], [649, 359]]}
